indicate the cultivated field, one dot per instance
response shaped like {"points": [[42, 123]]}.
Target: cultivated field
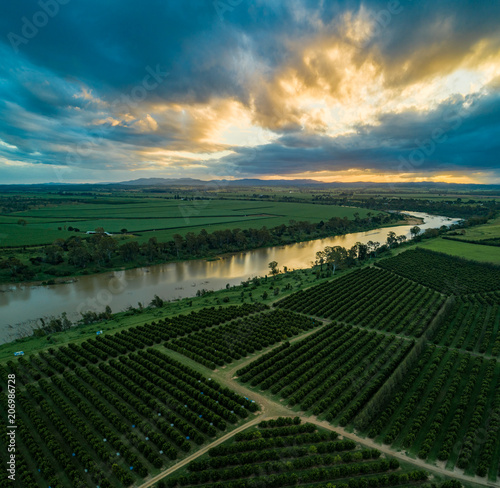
{"points": [[286, 452], [237, 339], [155, 217], [371, 297], [377, 354], [444, 272], [109, 412], [472, 324]]}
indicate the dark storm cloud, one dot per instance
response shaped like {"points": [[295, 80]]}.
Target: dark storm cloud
{"points": [[59, 81], [462, 133]]}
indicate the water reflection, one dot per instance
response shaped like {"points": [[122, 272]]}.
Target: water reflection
{"points": [[121, 289]]}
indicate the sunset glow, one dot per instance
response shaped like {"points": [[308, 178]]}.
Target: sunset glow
{"points": [[363, 90]]}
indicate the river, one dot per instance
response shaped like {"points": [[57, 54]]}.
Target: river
{"points": [[21, 305]]}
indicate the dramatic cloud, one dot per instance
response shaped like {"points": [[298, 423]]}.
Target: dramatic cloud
{"points": [[387, 90]]}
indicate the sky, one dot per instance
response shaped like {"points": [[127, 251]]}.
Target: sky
{"points": [[379, 91]]}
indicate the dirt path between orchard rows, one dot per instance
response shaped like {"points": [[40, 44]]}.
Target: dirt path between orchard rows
{"points": [[270, 409], [199, 453]]}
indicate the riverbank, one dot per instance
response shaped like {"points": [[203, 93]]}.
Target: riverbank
{"points": [[287, 283], [23, 306], [259, 289], [63, 272]]}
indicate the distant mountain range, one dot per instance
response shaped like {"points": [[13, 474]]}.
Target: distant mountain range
{"points": [[254, 182], [291, 183], [195, 182]]}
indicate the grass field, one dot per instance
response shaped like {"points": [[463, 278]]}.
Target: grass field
{"points": [[475, 252], [486, 231], [159, 218]]}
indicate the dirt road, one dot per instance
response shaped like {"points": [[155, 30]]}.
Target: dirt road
{"points": [[199, 453]]}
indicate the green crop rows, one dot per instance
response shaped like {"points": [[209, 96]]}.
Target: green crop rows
{"points": [[111, 410], [472, 324], [293, 454], [447, 274], [440, 409], [323, 374], [392, 359], [215, 347], [373, 298]]}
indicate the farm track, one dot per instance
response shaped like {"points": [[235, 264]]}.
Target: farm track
{"points": [[271, 409], [199, 453], [284, 411]]}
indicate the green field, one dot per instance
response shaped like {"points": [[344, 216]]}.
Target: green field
{"points": [[475, 252], [150, 217], [487, 231]]}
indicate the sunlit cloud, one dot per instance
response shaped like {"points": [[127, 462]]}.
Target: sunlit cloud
{"points": [[289, 90]]}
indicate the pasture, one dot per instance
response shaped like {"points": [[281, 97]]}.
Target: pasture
{"points": [[474, 252], [491, 230], [155, 217]]}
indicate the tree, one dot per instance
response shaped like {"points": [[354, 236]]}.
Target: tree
{"points": [[129, 251], [106, 246], [415, 231], [273, 266], [178, 241], [352, 254], [79, 256], [401, 239], [335, 256], [391, 238], [53, 254], [14, 265], [320, 259], [151, 249], [66, 323], [156, 302], [191, 242], [361, 251]]}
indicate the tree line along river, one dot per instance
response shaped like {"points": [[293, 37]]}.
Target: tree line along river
{"points": [[22, 304]]}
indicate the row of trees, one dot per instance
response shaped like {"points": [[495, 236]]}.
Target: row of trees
{"points": [[241, 337], [447, 274], [470, 314], [101, 250], [338, 257], [400, 421], [457, 208], [370, 297]]}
